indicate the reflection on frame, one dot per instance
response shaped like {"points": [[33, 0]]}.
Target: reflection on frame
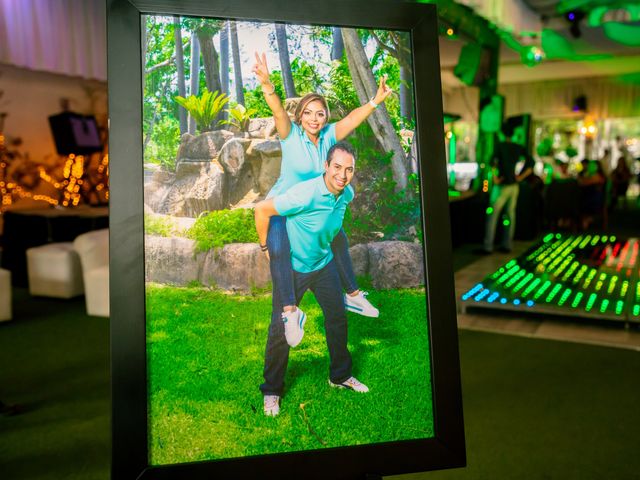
{"points": [[278, 160]]}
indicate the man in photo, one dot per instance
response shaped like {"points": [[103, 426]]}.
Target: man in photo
{"points": [[315, 211]]}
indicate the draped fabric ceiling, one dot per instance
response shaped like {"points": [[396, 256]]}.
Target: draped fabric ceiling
{"points": [[60, 36]]}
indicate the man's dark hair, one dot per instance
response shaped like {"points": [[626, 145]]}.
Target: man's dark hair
{"points": [[345, 147]]}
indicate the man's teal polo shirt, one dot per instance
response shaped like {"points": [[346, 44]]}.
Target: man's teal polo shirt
{"points": [[301, 159], [314, 218]]}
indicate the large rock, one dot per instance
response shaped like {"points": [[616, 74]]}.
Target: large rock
{"points": [[266, 148], [232, 156], [171, 260], [203, 147], [270, 155], [237, 267], [262, 127], [157, 189], [196, 187], [204, 192], [396, 264], [360, 259]]}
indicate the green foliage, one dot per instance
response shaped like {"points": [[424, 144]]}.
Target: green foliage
{"points": [[305, 77], [378, 211], [158, 225], [254, 99], [204, 108], [206, 354], [163, 145], [220, 227], [389, 66], [239, 117], [341, 94]]}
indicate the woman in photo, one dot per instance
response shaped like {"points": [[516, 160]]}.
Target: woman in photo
{"points": [[305, 143]]}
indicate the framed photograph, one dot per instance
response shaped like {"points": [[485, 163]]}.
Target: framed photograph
{"points": [[282, 300]]}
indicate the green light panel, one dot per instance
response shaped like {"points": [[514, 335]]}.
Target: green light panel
{"points": [[577, 275]]}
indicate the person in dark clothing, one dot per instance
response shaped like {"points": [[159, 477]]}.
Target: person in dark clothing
{"points": [[506, 188]]}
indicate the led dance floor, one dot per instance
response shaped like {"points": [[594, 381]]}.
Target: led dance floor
{"points": [[574, 275]]}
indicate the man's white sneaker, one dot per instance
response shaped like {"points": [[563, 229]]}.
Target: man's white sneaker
{"points": [[351, 383], [359, 304], [294, 326], [271, 405]]}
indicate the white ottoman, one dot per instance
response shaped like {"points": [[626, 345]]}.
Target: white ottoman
{"points": [[5, 295], [54, 271]]}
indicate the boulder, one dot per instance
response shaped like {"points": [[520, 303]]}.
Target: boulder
{"points": [[396, 264], [157, 189], [205, 191], [262, 127], [203, 147], [197, 187], [360, 258], [232, 157], [237, 267], [270, 155], [171, 260], [265, 148]]}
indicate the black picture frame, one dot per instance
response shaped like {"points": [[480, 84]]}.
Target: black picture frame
{"points": [[127, 277]]}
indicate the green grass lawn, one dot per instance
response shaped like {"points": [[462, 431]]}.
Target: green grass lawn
{"points": [[206, 353]]}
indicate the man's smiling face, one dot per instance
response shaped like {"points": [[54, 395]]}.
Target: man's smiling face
{"points": [[339, 171]]}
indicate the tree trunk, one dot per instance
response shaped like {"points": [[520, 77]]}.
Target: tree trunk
{"points": [[182, 91], [224, 58], [237, 66], [194, 76], [209, 61], [285, 64], [337, 45], [365, 86], [406, 78], [143, 41]]}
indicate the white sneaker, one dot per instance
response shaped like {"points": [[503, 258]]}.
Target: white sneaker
{"points": [[359, 304], [271, 405], [294, 326], [351, 383]]}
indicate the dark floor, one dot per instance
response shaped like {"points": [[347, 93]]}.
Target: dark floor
{"points": [[534, 408]]}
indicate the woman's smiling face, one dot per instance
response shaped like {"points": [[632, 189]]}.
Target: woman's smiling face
{"points": [[313, 117]]}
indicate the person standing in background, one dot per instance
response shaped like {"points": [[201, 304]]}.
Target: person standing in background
{"points": [[506, 188]]}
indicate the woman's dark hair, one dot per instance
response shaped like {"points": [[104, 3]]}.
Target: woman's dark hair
{"points": [[343, 146], [306, 100]]}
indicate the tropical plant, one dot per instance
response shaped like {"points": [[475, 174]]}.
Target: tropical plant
{"points": [[204, 108], [239, 117]]}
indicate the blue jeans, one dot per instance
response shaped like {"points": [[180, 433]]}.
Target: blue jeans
{"points": [[323, 285], [280, 261]]}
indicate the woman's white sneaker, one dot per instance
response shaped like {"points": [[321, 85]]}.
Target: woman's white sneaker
{"points": [[294, 321], [352, 383], [359, 304], [271, 405]]}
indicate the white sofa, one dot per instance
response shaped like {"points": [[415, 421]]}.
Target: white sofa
{"points": [[5, 295], [54, 271], [93, 249]]}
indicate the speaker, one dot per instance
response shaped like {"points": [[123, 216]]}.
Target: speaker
{"points": [[473, 65], [75, 133], [579, 104]]}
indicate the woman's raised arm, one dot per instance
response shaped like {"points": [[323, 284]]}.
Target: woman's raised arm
{"points": [[358, 115], [282, 120]]}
